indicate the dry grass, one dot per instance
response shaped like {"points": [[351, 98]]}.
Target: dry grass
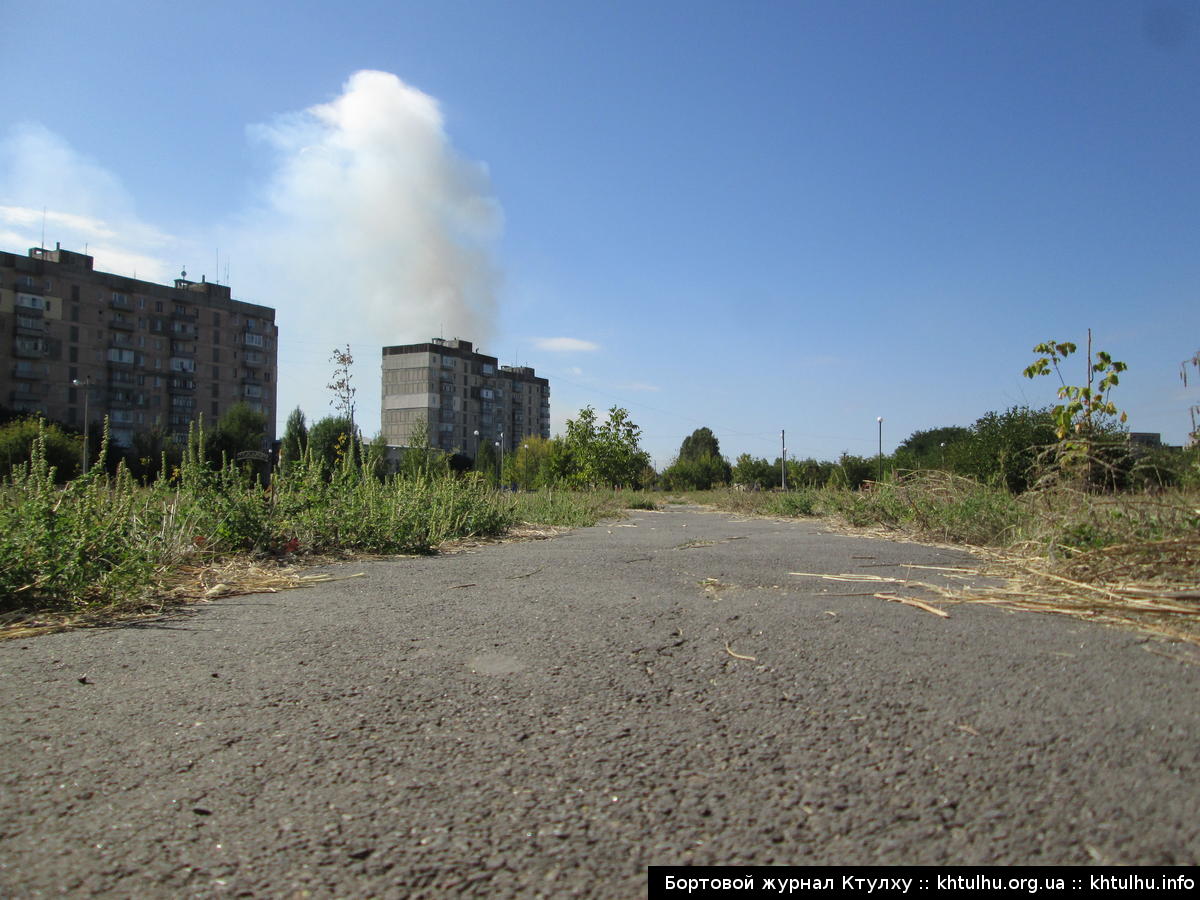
{"points": [[1150, 586], [188, 584]]}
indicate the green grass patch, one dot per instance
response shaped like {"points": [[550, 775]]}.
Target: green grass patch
{"points": [[105, 541]]}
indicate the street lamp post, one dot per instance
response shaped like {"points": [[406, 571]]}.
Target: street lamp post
{"points": [[86, 384], [879, 419], [782, 461], [502, 457]]}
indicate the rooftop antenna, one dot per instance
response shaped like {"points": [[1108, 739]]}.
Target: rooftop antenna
{"points": [[43, 228], [218, 278]]}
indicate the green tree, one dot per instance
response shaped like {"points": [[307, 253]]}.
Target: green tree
{"points": [[422, 460], [64, 452], [1005, 447], [561, 466], [700, 443], [295, 438], [928, 449], [696, 473], [622, 461], [754, 472], [487, 461], [852, 471], [607, 454], [330, 440], [240, 429], [528, 467], [699, 465]]}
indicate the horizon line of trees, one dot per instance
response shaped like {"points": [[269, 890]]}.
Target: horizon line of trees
{"points": [[1003, 448]]}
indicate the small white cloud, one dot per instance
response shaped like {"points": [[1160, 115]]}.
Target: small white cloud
{"points": [[565, 345], [575, 370], [640, 386]]}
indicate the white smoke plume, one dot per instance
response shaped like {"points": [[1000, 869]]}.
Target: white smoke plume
{"points": [[370, 210], [372, 231]]}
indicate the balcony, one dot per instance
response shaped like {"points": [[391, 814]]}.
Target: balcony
{"points": [[31, 325], [183, 350], [29, 347], [184, 329], [120, 377], [252, 392], [120, 340], [185, 314], [120, 301], [119, 321], [30, 371], [28, 391], [252, 340], [181, 385]]}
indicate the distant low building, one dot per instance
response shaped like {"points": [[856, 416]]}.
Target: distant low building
{"points": [[76, 343], [1146, 438], [461, 397]]}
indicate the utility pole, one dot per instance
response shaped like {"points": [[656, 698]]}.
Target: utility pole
{"points": [[879, 419], [782, 461]]}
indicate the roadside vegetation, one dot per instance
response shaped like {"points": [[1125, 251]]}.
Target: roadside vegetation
{"points": [[1060, 496]]}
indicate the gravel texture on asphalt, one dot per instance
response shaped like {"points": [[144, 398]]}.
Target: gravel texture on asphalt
{"points": [[547, 718]]}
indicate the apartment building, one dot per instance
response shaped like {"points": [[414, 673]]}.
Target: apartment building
{"points": [[77, 344], [463, 397]]}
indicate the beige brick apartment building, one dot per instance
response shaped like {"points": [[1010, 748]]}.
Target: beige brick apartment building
{"points": [[464, 397], [146, 355]]}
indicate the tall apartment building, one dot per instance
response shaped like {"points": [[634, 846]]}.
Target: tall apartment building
{"points": [[463, 397], [78, 343]]}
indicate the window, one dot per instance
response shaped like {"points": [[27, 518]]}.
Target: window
{"points": [[117, 355], [29, 301]]}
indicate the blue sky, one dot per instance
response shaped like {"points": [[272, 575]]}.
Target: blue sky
{"points": [[750, 216]]}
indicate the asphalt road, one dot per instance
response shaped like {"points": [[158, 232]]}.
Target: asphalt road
{"points": [[548, 718]]}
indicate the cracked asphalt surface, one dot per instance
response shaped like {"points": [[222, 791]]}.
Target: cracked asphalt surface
{"points": [[547, 718]]}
